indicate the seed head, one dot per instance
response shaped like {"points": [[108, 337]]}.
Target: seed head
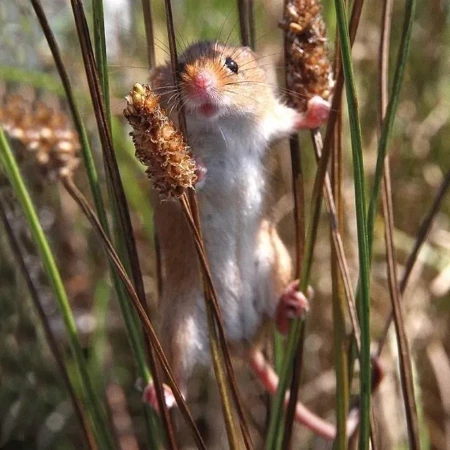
{"points": [[46, 134], [309, 71], [158, 144]]}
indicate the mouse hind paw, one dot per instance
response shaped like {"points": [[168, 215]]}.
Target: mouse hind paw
{"points": [[149, 396], [291, 305]]}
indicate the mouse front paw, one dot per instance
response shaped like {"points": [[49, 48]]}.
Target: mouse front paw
{"points": [[200, 172], [291, 305], [316, 114], [149, 396]]}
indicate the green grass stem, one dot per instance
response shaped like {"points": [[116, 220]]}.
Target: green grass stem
{"points": [[134, 336], [363, 247], [388, 122], [92, 402]]}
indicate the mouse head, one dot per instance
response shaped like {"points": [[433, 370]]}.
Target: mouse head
{"points": [[216, 80]]}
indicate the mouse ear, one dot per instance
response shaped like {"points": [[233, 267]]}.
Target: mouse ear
{"points": [[248, 52]]}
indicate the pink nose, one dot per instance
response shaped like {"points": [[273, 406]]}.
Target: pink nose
{"points": [[203, 80]]}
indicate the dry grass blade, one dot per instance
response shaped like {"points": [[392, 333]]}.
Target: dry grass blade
{"points": [[424, 229], [192, 207], [149, 35], [402, 341], [299, 201], [251, 23], [340, 338], [51, 340], [293, 394], [338, 246], [112, 168], [115, 183], [212, 296], [344, 272], [174, 62], [308, 73], [299, 226], [69, 95], [403, 347], [148, 327], [422, 234], [441, 367], [336, 103], [244, 24]]}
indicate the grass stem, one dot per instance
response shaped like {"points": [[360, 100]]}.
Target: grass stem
{"points": [[91, 399], [363, 246], [50, 337]]}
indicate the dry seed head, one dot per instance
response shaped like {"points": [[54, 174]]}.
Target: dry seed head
{"points": [[46, 134], [158, 144], [309, 71]]}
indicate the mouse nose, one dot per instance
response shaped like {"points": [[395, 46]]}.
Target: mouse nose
{"points": [[203, 80]]}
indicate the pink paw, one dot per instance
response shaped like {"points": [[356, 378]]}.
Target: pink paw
{"points": [[316, 114], [149, 396], [292, 304], [200, 171]]}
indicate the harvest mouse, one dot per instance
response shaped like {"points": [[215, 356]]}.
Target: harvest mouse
{"points": [[233, 115]]}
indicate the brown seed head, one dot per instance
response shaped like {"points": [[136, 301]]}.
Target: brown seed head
{"points": [[158, 144], [309, 71], [45, 133]]}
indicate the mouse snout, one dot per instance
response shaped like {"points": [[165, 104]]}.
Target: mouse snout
{"points": [[202, 83], [203, 80]]}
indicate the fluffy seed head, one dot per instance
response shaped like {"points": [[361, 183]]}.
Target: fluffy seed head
{"points": [[158, 144], [309, 71]]}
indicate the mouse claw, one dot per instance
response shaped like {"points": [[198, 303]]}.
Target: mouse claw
{"points": [[316, 114], [149, 396], [291, 305]]}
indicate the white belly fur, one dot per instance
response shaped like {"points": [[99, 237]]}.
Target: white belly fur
{"points": [[231, 201]]}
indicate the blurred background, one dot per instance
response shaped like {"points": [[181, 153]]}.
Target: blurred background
{"points": [[35, 412]]}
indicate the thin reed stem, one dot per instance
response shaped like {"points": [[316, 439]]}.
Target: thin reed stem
{"points": [[217, 359], [211, 298], [210, 294], [244, 24], [251, 23], [338, 245], [165, 416], [311, 235], [112, 170], [49, 336], [100, 53], [149, 35], [363, 247], [137, 304], [76, 116], [340, 339], [406, 374], [422, 235], [92, 402], [92, 177], [293, 394], [121, 216], [299, 226], [391, 111]]}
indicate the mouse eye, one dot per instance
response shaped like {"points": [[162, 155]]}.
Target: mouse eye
{"points": [[232, 65]]}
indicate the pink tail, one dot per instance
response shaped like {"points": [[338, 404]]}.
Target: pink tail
{"points": [[265, 373]]}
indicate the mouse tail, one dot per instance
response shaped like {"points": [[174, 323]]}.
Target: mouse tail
{"points": [[269, 378]]}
